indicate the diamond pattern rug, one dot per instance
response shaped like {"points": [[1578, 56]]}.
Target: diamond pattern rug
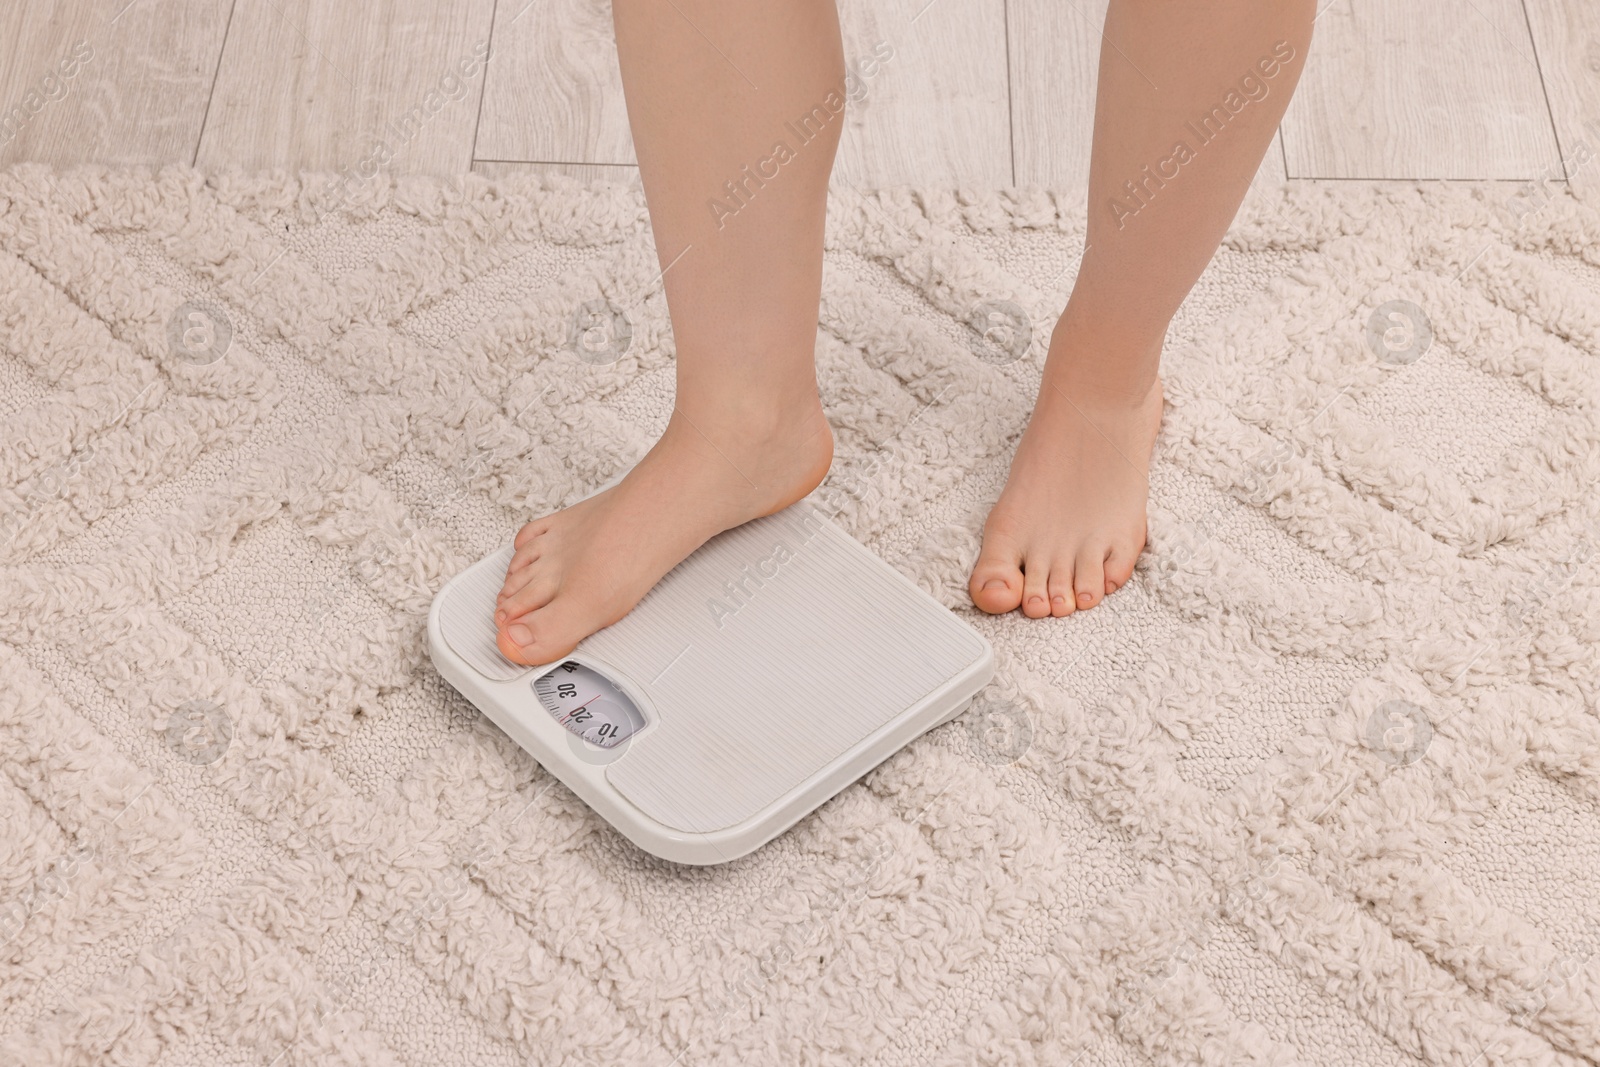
{"points": [[1321, 785]]}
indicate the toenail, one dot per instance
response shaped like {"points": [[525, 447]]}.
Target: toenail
{"points": [[1085, 599], [994, 583], [521, 635], [1059, 600]]}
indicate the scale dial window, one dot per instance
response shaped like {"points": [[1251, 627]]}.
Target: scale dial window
{"points": [[588, 704]]}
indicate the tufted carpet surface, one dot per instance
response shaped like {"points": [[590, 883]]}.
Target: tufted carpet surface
{"points": [[1322, 785]]}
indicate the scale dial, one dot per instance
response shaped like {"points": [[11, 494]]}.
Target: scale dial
{"points": [[588, 704]]}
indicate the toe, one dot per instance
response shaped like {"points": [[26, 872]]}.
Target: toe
{"points": [[1119, 567], [517, 578], [996, 583], [523, 556], [534, 594], [1036, 590], [1089, 577], [1063, 601], [535, 639], [517, 569], [516, 581], [530, 531]]}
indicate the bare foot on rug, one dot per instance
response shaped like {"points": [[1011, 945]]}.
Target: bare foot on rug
{"points": [[582, 569], [1071, 521]]}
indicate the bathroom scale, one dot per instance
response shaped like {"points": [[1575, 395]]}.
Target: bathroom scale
{"points": [[776, 665]]}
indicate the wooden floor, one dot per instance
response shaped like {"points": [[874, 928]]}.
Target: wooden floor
{"points": [[989, 92]]}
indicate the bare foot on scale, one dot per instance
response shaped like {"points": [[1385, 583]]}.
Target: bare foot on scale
{"points": [[583, 568], [1070, 523]]}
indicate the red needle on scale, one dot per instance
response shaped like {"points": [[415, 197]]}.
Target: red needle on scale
{"points": [[579, 708]]}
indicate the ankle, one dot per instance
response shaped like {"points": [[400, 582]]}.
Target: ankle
{"points": [[1104, 362], [1106, 371], [778, 455], [1097, 388], [754, 419]]}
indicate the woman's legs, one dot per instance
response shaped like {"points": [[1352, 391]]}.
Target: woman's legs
{"points": [[1071, 521], [747, 436]]}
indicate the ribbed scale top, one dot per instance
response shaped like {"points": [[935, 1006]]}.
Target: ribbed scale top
{"points": [[823, 645]]}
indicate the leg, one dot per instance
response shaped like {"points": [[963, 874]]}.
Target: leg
{"points": [[747, 436], [1166, 177]]}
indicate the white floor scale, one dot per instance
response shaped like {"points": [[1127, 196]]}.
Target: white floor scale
{"points": [[773, 667]]}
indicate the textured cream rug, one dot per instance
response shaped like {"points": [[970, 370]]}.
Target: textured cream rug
{"points": [[1322, 785]]}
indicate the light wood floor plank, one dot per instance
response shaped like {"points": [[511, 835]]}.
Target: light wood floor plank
{"points": [[1420, 89], [936, 109], [554, 91], [390, 85], [1055, 59], [931, 103], [627, 174], [140, 75], [981, 91], [1567, 35]]}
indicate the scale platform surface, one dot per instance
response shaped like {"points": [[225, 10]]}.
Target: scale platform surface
{"points": [[773, 667]]}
